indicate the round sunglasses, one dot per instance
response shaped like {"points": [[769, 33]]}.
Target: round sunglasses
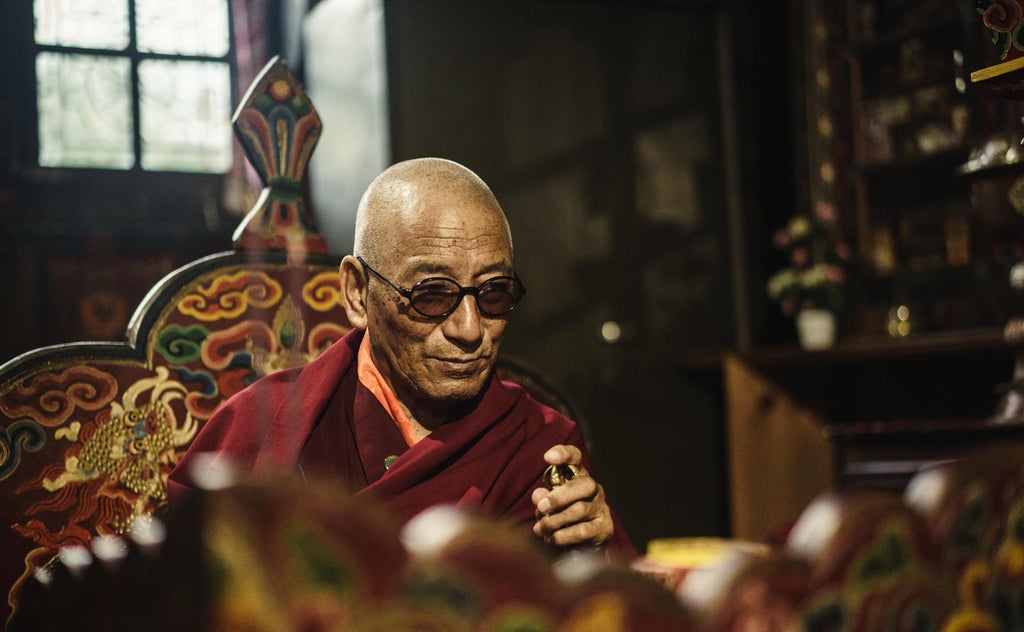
{"points": [[437, 297]]}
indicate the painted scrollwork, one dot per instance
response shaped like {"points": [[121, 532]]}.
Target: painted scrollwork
{"points": [[21, 435], [230, 295], [50, 398], [1003, 19]]}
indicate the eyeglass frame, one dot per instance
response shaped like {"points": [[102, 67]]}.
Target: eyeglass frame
{"points": [[474, 291]]}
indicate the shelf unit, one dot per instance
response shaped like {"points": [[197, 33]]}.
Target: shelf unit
{"points": [[874, 409], [902, 119]]}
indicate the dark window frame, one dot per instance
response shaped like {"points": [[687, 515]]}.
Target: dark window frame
{"points": [[28, 152]]}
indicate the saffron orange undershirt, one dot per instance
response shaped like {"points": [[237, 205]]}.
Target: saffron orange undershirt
{"points": [[371, 378]]}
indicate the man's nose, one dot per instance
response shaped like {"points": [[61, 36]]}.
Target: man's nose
{"points": [[465, 322]]}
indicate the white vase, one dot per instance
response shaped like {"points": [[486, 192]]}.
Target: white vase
{"points": [[816, 328]]}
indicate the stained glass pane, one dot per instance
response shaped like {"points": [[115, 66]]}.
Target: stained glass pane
{"points": [[185, 112], [182, 27], [84, 23], [85, 112]]}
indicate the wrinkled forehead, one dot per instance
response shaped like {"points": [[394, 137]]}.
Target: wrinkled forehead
{"points": [[449, 209], [445, 219]]}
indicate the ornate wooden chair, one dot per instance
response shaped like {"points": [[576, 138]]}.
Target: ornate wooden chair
{"points": [[90, 431]]}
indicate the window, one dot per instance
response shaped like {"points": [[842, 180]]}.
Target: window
{"points": [[122, 84]]}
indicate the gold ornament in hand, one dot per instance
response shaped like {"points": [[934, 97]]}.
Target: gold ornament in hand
{"points": [[562, 473]]}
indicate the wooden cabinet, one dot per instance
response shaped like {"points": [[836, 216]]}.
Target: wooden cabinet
{"points": [[863, 414]]}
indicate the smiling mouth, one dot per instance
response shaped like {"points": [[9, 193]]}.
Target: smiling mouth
{"points": [[457, 366]]}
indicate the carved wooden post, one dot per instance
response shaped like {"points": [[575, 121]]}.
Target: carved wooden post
{"points": [[278, 128]]}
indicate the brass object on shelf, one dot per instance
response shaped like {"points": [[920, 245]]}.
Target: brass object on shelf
{"points": [[998, 151]]}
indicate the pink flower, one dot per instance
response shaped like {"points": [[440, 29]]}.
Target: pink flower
{"points": [[843, 251], [799, 256], [781, 238], [825, 211], [835, 274]]}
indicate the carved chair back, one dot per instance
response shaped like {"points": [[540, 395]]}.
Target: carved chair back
{"points": [[90, 431]]}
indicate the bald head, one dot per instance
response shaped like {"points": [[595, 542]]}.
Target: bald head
{"points": [[405, 195]]}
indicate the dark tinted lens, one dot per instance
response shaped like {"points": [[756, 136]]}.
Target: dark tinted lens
{"points": [[434, 297], [498, 296]]}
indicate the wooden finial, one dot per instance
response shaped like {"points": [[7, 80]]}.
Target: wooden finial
{"points": [[278, 128]]}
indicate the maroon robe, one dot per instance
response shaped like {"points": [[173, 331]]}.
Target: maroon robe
{"points": [[321, 421]]}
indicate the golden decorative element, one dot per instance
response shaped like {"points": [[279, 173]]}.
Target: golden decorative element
{"points": [[290, 330], [323, 291], [137, 437], [971, 614], [132, 447], [997, 70], [557, 475], [69, 432]]}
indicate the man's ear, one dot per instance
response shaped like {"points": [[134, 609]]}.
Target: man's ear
{"points": [[353, 291]]}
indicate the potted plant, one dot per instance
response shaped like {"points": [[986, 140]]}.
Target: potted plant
{"points": [[812, 287]]}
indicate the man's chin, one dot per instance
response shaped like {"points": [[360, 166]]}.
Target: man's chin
{"points": [[454, 392]]}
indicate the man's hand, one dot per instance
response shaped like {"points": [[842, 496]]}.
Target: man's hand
{"points": [[573, 513]]}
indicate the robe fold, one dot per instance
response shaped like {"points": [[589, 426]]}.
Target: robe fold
{"points": [[320, 421]]}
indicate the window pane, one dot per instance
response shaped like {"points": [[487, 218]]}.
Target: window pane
{"points": [[84, 23], [182, 27], [85, 112], [185, 112]]}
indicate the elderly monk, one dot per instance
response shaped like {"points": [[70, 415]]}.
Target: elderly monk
{"points": [[406, 406]]}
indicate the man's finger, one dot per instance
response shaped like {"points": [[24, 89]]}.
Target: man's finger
{"points": [[563, 454], [574, 513], [578, 490], [596, 531]]}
